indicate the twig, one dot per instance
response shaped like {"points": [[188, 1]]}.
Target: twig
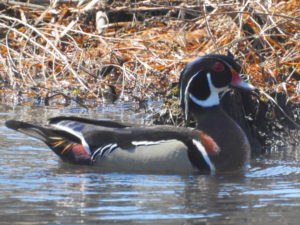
{"points": [[208, 28], [279, 107], [23, 4], [60, 55]]}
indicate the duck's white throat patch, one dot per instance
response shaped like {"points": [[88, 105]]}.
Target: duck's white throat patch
{"points": [[213, 99]]}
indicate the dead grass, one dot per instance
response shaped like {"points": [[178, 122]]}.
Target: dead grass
{"points": [[58, 50]]}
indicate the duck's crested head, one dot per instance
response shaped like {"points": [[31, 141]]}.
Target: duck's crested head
{"points": [[204, 78]]}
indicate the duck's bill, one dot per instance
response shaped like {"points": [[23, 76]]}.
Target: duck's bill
{"points": [[239, 83]]}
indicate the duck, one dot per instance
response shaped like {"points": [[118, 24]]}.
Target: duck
{"points": [[201, 83], [216, 144]]}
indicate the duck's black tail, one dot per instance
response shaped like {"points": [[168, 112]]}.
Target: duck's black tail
{"points": [[66, 145], [31, 130]]}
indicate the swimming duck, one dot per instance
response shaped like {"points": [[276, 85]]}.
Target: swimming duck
{"points": [[201, 83], [217, 143]]}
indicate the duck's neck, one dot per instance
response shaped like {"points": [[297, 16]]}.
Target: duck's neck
{"points": [[207, 117], [227, 133]]}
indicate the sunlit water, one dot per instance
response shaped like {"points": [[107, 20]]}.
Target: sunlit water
{"points": [[36, 188]]}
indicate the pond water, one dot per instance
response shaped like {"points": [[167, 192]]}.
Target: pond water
{"points": [[36, 188]]}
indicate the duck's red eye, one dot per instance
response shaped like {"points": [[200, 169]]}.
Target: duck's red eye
{"points": [[218, 67]]}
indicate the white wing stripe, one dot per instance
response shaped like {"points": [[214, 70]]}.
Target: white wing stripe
{"points": [[146, 143], [75, 133]]}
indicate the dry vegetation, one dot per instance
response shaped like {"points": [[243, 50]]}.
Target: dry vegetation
{"points": [[57, 49], [60, 53]]}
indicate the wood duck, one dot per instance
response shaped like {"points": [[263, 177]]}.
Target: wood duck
{"points": [[118, 147], [201, 82]]}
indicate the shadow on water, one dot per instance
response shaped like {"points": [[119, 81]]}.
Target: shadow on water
{"points": [[36, 188]]}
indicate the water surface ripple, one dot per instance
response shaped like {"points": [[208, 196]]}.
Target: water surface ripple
{"points": [[36, 188]]}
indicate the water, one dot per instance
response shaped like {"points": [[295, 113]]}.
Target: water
{"points": [[36, 188]]}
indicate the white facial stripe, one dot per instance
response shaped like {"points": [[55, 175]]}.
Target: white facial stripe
{"points": [[203, 152], [77, 134], [180, 93], [186, 105], [213, 99]]}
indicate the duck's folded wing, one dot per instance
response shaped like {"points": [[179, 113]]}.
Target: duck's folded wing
{"points": [[80, 141]]}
